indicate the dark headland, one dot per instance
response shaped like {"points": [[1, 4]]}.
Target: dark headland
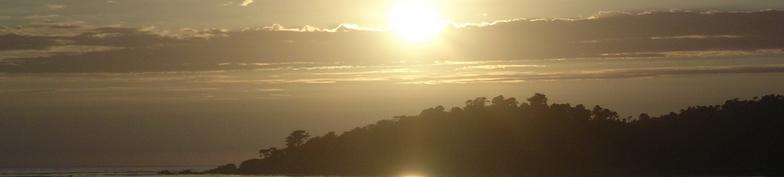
{"points": [[503, 137]]}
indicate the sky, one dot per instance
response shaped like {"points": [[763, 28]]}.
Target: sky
{"points": [[208, 82]]}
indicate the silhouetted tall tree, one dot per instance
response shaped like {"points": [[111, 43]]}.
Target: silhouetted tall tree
{"points": [[538, 100], [297, 138]]}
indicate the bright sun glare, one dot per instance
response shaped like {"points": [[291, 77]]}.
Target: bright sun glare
{"points": [[416, 20]]}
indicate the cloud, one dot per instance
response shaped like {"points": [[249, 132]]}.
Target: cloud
{"points": [[18, 42], [492, 67], [246, 2], [53, 51], [513, 77], [622, 35], [55, 6], [694, 37], [271, 90], [516, 76], [428, 73]]}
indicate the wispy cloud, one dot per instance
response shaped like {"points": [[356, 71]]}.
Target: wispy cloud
{"points": [[55, 6], [53, 51], [501, 66], [694, 37], [246, 2], [660, 34], [271, 90]]}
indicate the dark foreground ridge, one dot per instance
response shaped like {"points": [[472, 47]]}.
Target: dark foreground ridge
{"points": [[501, 137]]}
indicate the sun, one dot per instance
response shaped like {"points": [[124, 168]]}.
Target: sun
{"points": [[416, 20]]}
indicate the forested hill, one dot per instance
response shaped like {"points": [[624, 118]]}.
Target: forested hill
{"points": [[502, 137]]}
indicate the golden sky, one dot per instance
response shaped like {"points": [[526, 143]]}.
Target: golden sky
{"points": [[328, 13]]}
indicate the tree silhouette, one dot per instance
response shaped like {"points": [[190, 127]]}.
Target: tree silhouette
{"points": [[264, 153], [297, 138], [507, 138], [538, 100]]}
